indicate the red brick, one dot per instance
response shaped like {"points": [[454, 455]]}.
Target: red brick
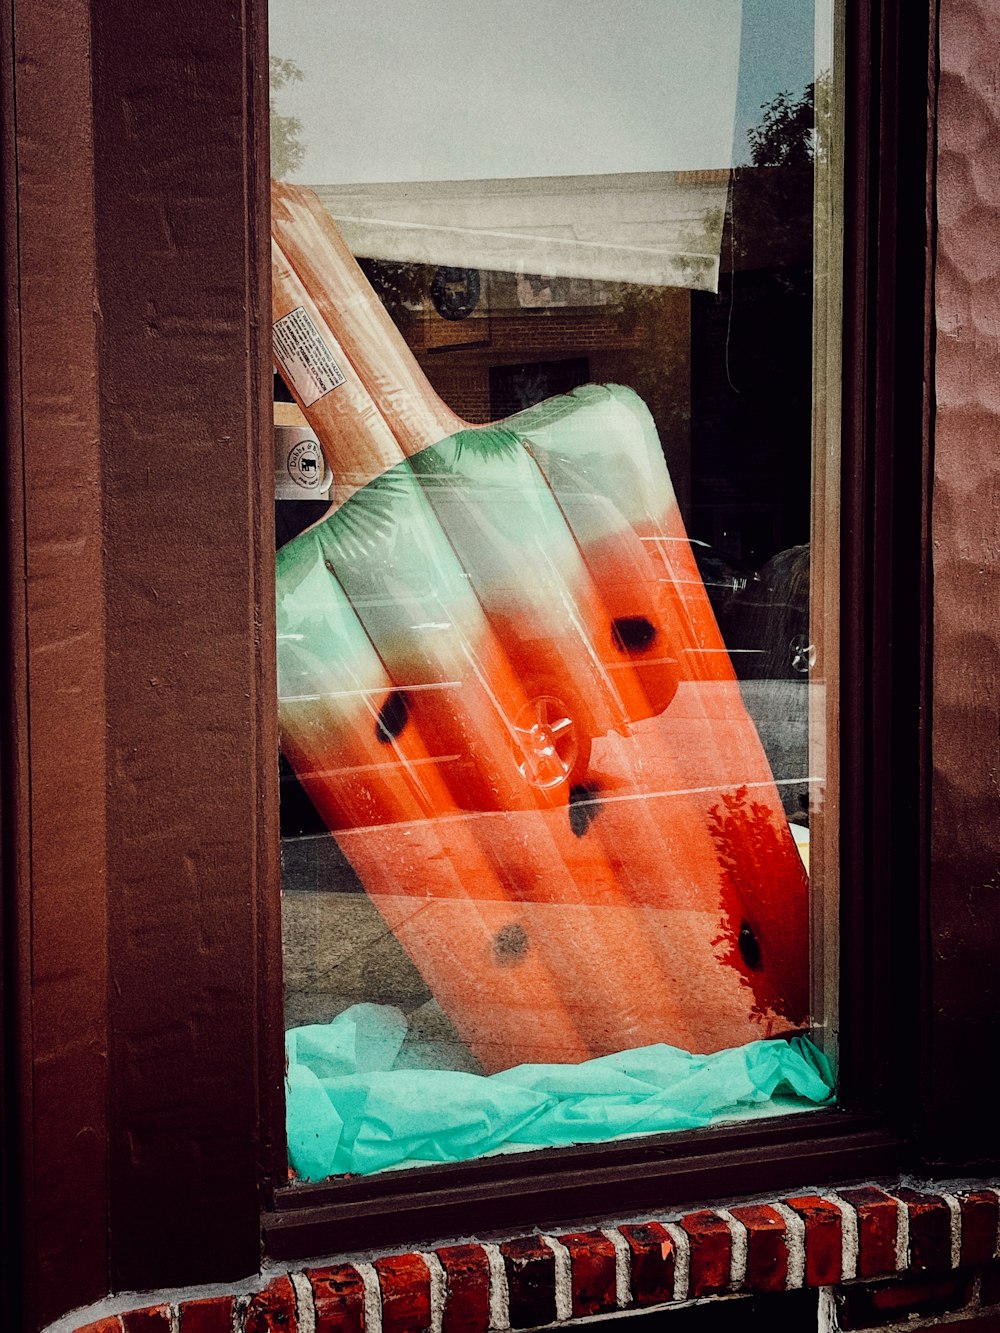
{"points": [[406, 1293], [653, 1260], [154, 1319], [767, 1247], [339, 1297], [592, 1257], [210, 1316], [272, 1309], [930, 1231], [110, 1325], [990, 1294], [711, 1253], [531, 1281], [467, 1299], [878, 1224], [911, 1293], [979, 1227], [824, 1238], [896, 1301]]}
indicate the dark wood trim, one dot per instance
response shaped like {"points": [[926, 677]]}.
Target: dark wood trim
{"points": [[616, 1156], [54, 827], [578, 1186], [925, 813], [187, 481], [903, 784], [13, 879], [913, 591], [884, 583], [273, 1151], [856, 1056]]}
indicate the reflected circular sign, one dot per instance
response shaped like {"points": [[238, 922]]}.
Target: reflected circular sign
{"points": [[455, 292]]}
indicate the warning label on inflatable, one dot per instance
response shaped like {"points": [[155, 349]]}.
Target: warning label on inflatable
{"points": [[304, 357]]}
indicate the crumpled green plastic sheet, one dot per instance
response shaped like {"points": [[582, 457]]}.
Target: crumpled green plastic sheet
{"points": [[350, 1110]]}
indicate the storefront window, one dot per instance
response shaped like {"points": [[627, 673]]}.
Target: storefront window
{"points": [[556, 335]]}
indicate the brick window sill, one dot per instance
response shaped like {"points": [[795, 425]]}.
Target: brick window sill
{"points": [[884, 1255]]}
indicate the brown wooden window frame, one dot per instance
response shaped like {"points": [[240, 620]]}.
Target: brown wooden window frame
{"points": [[882, 759]]}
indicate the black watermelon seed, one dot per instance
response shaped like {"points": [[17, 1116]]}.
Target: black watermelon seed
{"points": [[392, 718], [749, 948], [584, 807], [633, 633], [510, 944]]}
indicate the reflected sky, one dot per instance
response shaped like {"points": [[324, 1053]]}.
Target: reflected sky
{"points": [[498, 88], [476, 89]]}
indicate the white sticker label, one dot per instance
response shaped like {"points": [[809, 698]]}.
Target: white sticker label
{"points": [[304, 357]]}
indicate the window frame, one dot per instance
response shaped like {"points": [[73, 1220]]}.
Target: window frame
{"points": [[882, 750]]}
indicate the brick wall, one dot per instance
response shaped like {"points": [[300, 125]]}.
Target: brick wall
{"points": [[875, 1258], [648, 350]]}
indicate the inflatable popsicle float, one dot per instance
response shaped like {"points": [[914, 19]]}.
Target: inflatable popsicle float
{"points": [[478, 605]]}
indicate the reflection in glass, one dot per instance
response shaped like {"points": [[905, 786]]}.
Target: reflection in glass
{"points": [[556, 739]]}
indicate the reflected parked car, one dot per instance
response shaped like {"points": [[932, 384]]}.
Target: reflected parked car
{"points": [[770, 621], [763, 614], [731, 586]]}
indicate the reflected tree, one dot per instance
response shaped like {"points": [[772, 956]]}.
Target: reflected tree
{"points": [[785, 135], [793, 132], [287, 148]]}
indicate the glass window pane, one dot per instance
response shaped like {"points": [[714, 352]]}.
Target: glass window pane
{"points": [[556, 335]]}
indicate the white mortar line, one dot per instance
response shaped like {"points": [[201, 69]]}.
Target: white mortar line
{"points": [[848, 1237], [902, 1235], [373, 1297], [738, 1249], [174, 1316], [826, 1312], [955, 1209], [795, 1244], [439, 1289], [305, 1306], [564, 1277], [499, 1295], [976, 1298], [240, 1306], [682, 1260], [623, 1266]]}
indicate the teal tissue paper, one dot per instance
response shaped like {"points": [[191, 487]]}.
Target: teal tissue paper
{"points": [[350, 1110]]}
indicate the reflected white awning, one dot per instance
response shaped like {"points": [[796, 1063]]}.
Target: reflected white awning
{"points": [[658, 228]]}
